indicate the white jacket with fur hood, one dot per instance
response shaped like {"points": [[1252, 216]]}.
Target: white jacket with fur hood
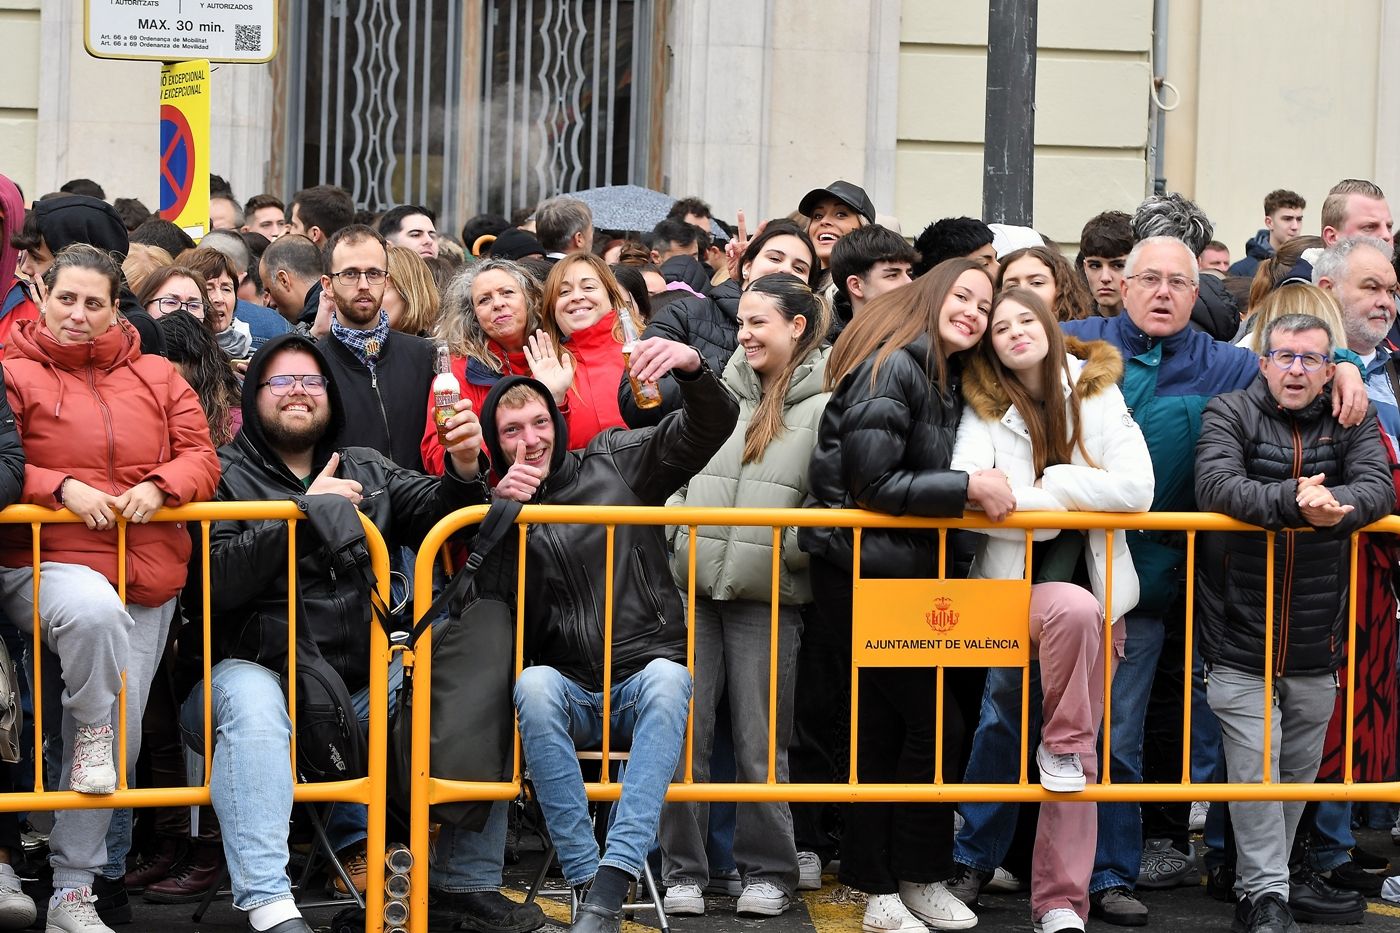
{"points": [[992, 433]]}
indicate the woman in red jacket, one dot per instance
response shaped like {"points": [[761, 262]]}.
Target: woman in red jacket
{"points": [[113, 436], [583, 301], [489, 313]]}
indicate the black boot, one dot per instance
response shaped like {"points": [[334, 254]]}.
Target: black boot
{"points": [[594, 919], [1312, 900]]}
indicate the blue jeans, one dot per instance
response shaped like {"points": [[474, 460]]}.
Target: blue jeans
{"points": [[1118, 858], [558, 717], [1333, 838], [252, 788], [988, 828]]}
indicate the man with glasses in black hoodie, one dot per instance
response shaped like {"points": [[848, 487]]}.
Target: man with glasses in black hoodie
{"points": [[292, 415]]}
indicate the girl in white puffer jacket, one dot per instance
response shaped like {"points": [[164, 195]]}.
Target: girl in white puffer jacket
{"points": [[1046, 411]]}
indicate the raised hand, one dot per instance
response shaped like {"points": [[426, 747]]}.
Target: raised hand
{"points": [[547, 365]]}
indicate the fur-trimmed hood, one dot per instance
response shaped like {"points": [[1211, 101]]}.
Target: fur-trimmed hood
{"points": [[1094, 366]]}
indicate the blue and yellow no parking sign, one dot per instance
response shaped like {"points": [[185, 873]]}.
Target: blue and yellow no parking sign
{"points": [[184, 146]]}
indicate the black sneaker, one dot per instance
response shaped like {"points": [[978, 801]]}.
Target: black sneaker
{"points": [[1220, 884], [1370, 861], [1349, 877], [1270, 915], [1312, 900], [966, 883], [481, 912], [1118, 906]]}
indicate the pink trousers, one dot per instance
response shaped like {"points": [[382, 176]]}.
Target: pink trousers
{"points": [[1067, 637]]}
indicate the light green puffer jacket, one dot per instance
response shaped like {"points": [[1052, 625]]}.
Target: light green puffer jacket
{"points": [[736, 562]]}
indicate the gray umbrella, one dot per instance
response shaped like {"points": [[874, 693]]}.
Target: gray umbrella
{"points": [[632, 207]]}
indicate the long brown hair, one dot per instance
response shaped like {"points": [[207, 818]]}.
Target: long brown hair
{"points": [[1055, 429], [895, 320], [410, 276], [791, 297], [1072, 300], [617, 296]]}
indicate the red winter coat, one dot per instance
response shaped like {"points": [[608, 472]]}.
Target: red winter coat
{"points": [[105, 415], [598, 369]]}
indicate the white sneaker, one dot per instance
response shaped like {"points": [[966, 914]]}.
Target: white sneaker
{"points": [[886, 913], [1059, 773], [809, 871], [936, 906], [1197, 822], [93, 772], [684, 900], [76, 912], [1003, 882], [17, 909], [1060, 918], [762, 899]]}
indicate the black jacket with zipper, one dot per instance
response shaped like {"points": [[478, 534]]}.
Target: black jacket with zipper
{"points": [[386, 409], [1249, 458], [565, 573], [885, 445], [710, 325], [248, 559]]}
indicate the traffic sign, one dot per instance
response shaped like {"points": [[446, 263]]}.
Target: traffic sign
{"points": [[184, 146], [180, 30]]}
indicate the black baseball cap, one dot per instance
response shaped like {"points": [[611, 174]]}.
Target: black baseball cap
{"points": [[844, 191]]}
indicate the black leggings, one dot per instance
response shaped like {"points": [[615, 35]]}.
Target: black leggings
{"points": [[883, 844]]}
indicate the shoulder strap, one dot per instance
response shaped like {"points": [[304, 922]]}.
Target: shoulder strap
{"points": [[498, 521]]}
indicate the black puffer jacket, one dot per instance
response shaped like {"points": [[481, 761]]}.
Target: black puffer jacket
{"points": [[1215, 310], [565, 570], [248, 560], [1249, 458], [710, 325], [887, 448]]}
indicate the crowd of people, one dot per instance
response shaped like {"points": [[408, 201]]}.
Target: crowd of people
{"points": [[822, 361]]}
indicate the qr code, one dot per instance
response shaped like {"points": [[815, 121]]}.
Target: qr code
{"points": [[247, 38]]}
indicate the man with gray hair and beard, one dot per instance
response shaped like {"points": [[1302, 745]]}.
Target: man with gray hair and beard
{"points": [[1357, 271]]}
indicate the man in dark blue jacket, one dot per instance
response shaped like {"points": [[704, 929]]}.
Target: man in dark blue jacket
{"points": [[1170, 372]]}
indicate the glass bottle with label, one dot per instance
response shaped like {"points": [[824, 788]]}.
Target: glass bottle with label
{"points": [[645, 394], [447, 391]]}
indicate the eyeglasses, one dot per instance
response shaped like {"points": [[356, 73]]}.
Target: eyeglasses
{"points": [[170, 304], [311, 384], [1284, 360], [352, 276], [1153, 281]]}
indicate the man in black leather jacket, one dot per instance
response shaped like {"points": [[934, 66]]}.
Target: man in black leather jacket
{"points": [[559, 697], [291, 417]]}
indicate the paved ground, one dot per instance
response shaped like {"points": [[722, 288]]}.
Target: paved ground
{"points": [[830, 910]]}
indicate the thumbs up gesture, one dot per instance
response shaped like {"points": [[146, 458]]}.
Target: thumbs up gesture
{"points": [[327, 483]]}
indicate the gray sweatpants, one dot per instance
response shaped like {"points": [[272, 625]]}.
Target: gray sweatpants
{"points": [[1302, 707], [95, 638]]}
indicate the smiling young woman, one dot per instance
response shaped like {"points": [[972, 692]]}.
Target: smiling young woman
{"points": [[1047, 412]]}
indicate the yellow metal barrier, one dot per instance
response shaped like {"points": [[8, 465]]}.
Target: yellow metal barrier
{"points": [[427, 790], [371, 790]]}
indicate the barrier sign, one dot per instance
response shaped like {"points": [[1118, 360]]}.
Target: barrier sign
{"points": [[180, 30], [184, 146], [941, 623]]}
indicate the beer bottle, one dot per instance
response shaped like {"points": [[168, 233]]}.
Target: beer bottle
{"points": [[447, 391], [645, 394]]}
